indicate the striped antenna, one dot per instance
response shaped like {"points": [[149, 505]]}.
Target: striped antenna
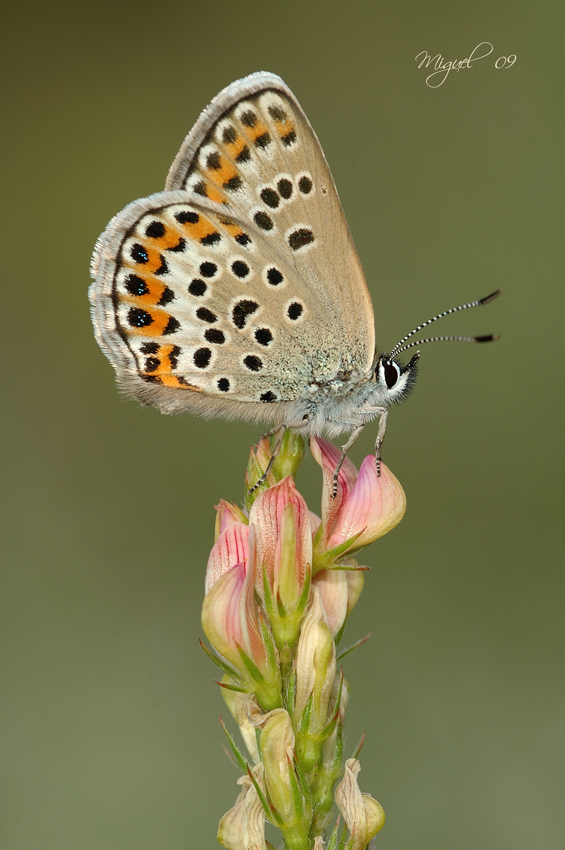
{"points": [[401, 347], [488, 338]]}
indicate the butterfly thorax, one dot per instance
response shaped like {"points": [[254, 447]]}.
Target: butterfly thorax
{"points": [[338, 405]]}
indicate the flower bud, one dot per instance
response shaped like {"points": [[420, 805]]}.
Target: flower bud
{"points": [[285, 794], [366, 506], [362, 814], [231, 548], [289, 451], [242, 708], [284, 557], [315, 675], [243, 827], [257, 465], [355, 582], [234, 625], [226, 514], [334, 595]]}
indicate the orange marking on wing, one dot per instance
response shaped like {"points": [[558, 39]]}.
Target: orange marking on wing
{"points": [[283, 128], [223, 174], [164, 367], [149, 299], [235, 148], [202, 228], [160, 320], [256, 131], [169, 239], [233, 229], [154, 260], [173, 381], [214, 194]]}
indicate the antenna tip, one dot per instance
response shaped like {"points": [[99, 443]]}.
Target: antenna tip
{"points": [[488, 338], [490, 297]]}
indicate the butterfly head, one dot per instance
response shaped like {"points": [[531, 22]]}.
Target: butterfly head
{"points": [[394, 380]]}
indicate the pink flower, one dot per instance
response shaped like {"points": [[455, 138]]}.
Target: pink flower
{"points": [[232, 620], [366, 505], [226, 514], [231, 548], [334, 597], [283, 554]]}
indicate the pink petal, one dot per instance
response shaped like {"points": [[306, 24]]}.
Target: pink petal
{"points": [[375, 505], [327, 456], [266, 515], [230, 548], [230, 616], [226, 514], [334, 596]]}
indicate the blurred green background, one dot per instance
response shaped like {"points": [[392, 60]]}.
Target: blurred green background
{"points": [[109, 713]]}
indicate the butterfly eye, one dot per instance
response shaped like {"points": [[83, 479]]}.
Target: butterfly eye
{"points": [[392, 373]]}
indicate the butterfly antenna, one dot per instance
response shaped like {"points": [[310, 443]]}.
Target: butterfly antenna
{"points": [[401, 347], [488, 338]]}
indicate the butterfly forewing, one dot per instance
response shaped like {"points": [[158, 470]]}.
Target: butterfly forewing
{"points": [[241, 282]]}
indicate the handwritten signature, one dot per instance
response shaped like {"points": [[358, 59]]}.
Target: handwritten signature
{"points": [[443, 68]]}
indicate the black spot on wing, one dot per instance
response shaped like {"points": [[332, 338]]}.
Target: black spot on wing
{"points": [[233, 183], [167, 296], [187, 217], [300, 238], [214, 335], [155, 230], [274, 276], [262, 141], [253, 363], [213, 161], [285, 188], [139, 254], [244, 155], [211, 239], [270, 198], [268, 397], [263, 336], [305, 185], [171, 327], [139, 318], [206, 315], [197, 287], [263, 220], [240, 269], [248, 118], [277, 113], [136, 285], [208, 269], [294, 310], [179, 247], [242, 310], [163, 268], [201, 357], [289, 139], [151, 364]]}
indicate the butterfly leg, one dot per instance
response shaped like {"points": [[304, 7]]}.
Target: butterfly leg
{"points": [[276, 449], [344, 449], [269, 433], [380, 437]]}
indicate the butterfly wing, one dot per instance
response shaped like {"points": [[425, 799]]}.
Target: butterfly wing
{"points": [[240, 284]]}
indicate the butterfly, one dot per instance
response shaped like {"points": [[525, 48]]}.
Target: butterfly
{"points": [[238, 292]]}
